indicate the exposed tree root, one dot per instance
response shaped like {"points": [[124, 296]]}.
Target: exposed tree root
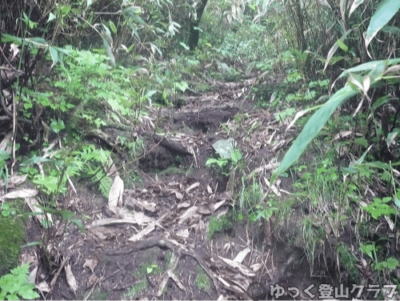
{"points": [[178, 252]]}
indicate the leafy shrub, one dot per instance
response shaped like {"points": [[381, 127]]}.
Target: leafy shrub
{"points": [[15, 285]]}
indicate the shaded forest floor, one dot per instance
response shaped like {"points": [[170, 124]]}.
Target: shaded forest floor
{"points": [[179, 233]]}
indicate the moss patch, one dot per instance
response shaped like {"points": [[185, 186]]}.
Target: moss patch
{"points": [[12, 236]]}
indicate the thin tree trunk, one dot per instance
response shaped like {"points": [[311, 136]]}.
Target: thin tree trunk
{"points": [[194, 33]]}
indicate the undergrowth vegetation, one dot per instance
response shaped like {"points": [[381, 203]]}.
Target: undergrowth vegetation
{"points": [[328, 71]]}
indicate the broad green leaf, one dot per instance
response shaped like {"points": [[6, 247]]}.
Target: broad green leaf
{"points": [[63, 50], [182, 86], [138, 20], [361, 141], [88, 3], [112, 26], [355, 4], [63, 10], [79, 224], [378, 164], [361, 159], [355, 81], [106, 34], [4, 155], [385, 11], [51, 17], [57, 126], [34, 160], [392, 136], [236, 156], [54, 55], [342, 45], [154, 48], [379, 102], [27, 292], [6, 38], [391, 29], [12, 297], [377, 72], [184, 45], [368, 66], [224, 148], [312, 128], [151, 93], [335, 47], [38, 42]]}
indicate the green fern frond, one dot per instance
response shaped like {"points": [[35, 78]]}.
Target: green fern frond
{"points": [[104, 181]]}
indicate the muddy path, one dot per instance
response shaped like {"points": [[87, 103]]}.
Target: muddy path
{"points": [[157, 243]]}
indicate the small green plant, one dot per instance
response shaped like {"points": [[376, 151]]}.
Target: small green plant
{"points": [[153, 268], [147, 268], [219, 161], [348, 261], [235, 156], [15, 285], [251, 195], [370, 250], [389, 264], [380, 208], [6, 210], [136, 289], [203, 282], [218, 224], [263, 211]]}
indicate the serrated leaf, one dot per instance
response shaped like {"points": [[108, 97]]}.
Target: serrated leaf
{"points": [[383, 14], [12, 297], [27, 292]]}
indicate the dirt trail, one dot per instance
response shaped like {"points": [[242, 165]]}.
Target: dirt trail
{"points": [[158, 245]]}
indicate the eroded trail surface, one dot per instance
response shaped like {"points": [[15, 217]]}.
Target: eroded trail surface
{"points": [[158, 243]]}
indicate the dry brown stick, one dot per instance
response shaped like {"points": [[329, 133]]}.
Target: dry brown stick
{"points": [[53, 281]]}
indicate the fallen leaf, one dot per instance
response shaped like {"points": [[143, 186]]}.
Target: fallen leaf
{"points": [[187, 214], [91, 264], [71, 278], [241, 255], [23, 193]]}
